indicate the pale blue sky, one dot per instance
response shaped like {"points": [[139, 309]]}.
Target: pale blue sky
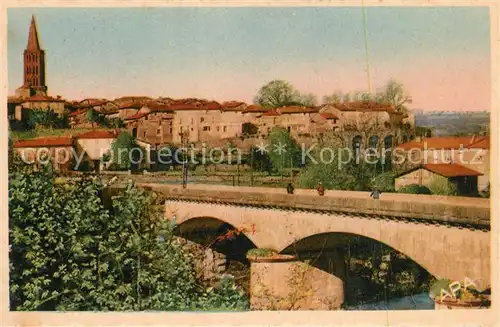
{"points": [[441, 54]]}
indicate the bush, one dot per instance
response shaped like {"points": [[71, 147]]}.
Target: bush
{"points": [[261, 253], [383, 182], [414, 189], [442, 186], [74, 247]]}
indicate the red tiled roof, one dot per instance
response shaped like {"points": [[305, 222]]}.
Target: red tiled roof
{"points": [[447, 142], [40, 97], [296, 110], [212, 105], [451, 170], [328, 115], [255, 108], [98, 134], [52, 141], [136, 116], [271, 113], [232, 104], [78, 112], [132, 105], [133, 98], [483, 143], [365, 106], [185, 106], [15, 100], [93, 102], [156, 106]]}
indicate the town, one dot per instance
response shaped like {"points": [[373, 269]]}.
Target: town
{"points": [[284, 203]]}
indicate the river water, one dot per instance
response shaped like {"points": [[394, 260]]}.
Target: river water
{"points": [[420, 301]]}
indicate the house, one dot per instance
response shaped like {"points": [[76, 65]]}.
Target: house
{"points": [[465, 179], [57, 150], [472, 152], [90, 147]]}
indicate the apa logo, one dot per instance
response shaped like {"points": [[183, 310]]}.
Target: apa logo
{"points": [[454, 287]]}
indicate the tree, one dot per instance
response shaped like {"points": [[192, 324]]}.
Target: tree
{"points": [[283, 150], [280, 93], [44, 118], [423, 131], [334, 98], [384, 182], [393, 93], [125, 151], [73, 247], [308, 100]]}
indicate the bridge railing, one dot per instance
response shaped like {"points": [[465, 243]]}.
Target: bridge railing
{"points": [[458, 210]]}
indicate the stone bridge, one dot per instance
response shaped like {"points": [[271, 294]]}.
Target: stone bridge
{"points": [[447, 236]]}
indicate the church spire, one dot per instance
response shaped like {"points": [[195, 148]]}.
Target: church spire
{"points": [[33, 43]]}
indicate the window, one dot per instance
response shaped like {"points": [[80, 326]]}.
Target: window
{"points": [[218, 128], [158, 131], [206, 128], [170, 129], [202, 120], [224, 129], [144, 134]]}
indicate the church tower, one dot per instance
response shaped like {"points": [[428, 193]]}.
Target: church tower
{"points": [[34, 63]]}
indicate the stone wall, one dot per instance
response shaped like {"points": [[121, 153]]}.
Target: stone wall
{"points": [[209, 265], [277, 284]]}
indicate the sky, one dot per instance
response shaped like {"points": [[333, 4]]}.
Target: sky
{"points": [[440, 54]]}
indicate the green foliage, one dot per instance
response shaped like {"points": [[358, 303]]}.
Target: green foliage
{"points": [[74, 247], [437, 286], [115, 123], [414, 189], [261, 252], [442, 186], [329, 175], [93, 116], [283, 150], [280, 93], [123, 149], [383, 182], [44, 118], [259, 160], [423, 131], [226, 296]]}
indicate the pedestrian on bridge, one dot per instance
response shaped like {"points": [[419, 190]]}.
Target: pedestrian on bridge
{"points": [[320, 189], [375, 194], [289, 188]]}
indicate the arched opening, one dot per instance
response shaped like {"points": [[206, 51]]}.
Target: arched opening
{"points": [[373, 272], [223, 238], [356, 147], [373, 142], [388, 143], [249, 129]]}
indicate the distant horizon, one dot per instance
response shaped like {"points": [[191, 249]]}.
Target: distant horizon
{"points": [[440, 54]]}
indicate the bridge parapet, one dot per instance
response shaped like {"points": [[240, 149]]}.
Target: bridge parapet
{"points": [[435, 209]]}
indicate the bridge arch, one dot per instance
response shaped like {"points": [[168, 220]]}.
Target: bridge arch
{"points": [[217, 234], [443, 251]]}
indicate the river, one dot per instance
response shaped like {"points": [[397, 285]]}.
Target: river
{"points": [[420, 301]]}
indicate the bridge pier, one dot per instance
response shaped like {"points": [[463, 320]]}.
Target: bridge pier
{"points": [[282, 282]]}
